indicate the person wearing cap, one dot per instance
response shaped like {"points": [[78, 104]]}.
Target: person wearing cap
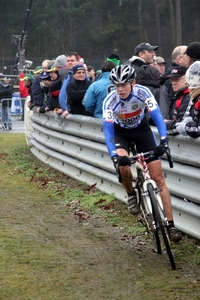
{"points": [[76, 90], [181, 98], [37, 70], [6, 93], [98, 90], [179, 58], [143, 55], [160, 64], [54, 88], [39, 91], [190, 125], [193, 52], [28, 79]]}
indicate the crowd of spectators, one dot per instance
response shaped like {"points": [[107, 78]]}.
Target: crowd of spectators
{"points": [[67, 85]]}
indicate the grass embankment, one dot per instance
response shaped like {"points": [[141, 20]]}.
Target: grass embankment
{"points": [[42, 257]]}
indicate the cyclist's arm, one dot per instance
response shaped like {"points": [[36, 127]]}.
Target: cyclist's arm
{"points": [[108, 128]]}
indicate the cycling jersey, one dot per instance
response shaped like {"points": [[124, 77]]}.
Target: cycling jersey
{"points": [[128, 113]]}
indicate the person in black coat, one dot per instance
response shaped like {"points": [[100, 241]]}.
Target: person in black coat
{"points": [[76, 90]]}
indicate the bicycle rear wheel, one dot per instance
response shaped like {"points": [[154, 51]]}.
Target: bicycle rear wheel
{"points": [[160, 224]]}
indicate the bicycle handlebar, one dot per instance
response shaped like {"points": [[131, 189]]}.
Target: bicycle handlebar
{"points": [[150, 154]]}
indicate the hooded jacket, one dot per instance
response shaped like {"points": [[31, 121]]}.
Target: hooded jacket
{"points": [[181, 101], [96, 93]]}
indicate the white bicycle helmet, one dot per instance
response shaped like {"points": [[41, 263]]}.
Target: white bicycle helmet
{"points": [[122, 74]]}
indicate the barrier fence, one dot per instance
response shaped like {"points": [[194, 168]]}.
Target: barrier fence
{"points": [[15, 105], [78, 150]]}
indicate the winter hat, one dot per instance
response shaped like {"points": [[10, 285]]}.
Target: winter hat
{"points": [[60, 61], [193, 50], [177, 72], [28, 77], [77, 68], [113, 57], [192, 75]]}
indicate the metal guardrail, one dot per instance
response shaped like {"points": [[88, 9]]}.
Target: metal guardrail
{"points": [[78, 150]]}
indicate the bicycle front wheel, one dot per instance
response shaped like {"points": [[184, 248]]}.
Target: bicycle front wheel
{"points": [[160, 224]]}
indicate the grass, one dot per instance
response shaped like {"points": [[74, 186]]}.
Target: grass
{"points": [[56, 241]]}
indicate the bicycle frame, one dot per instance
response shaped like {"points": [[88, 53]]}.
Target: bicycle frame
{"points": [[145, 179]]}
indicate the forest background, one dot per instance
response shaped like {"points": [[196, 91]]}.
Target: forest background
{"points": [[95, 28]]}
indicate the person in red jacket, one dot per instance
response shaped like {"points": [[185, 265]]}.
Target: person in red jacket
{"points": [[23, 91]]}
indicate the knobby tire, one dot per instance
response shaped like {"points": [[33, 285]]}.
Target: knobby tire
{"points": [[153, 233], [160, 224]]}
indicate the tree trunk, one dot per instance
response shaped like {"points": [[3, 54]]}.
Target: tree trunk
{"points": [[172, 21], [178, 23]]}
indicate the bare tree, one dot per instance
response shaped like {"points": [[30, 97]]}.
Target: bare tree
{"points": [[178, 22]]}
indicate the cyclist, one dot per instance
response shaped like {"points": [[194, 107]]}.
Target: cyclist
{"points": [[124, 121]]}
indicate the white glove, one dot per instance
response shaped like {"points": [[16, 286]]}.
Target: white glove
{"points": [[180, 127], [187, 120], [58, 119]]}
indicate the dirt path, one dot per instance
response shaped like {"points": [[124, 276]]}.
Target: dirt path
{"points": [[47, 253]]}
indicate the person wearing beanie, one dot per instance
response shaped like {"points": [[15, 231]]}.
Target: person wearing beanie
{"points": [[60, 61], [190, 125], [76, 90], [193, 52], [113, 57], [98, 90]]}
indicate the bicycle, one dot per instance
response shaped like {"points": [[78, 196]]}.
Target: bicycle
{"points": [[152, 211]]}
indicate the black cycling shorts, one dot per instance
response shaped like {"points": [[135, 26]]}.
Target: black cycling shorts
{"points": [[142, 136]]}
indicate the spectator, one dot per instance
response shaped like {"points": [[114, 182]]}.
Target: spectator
{"points": [[6, 92], [179, 58], [54, 88], [193, 52], [114, 57], [160, 64], [190, 124], [91, 73], [98, 90], [37, 70], [23, 91], [72, 60], [61, 65], [149, 77], [143, 55], [28, 79], [181, 98], [76, 90], [38, 89]]}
